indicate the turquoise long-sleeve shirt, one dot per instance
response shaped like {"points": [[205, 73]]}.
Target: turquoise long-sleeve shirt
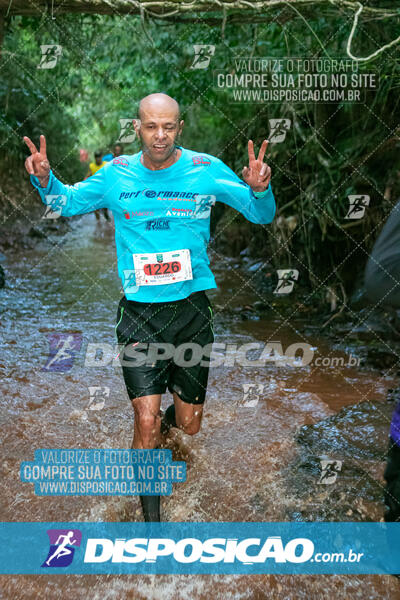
{"points": [[162, 218]]}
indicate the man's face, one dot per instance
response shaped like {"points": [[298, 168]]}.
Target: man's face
{"points": [[157, 130], [117, 151]]}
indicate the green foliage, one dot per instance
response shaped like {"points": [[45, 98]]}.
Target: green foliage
{"points": [[331, 151]]}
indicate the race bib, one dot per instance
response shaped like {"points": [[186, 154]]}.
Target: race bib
{"points": [[160, 268]]}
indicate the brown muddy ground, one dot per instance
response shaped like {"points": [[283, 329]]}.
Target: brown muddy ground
{"points": [[248, 463]]}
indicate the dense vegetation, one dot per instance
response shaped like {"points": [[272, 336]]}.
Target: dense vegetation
{"points": [[332, 150]]}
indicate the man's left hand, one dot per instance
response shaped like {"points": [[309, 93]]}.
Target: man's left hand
{"points": [[258, 174]]}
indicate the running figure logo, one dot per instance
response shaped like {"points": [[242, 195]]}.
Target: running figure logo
{"points": [[129, 285], [62, 547], [357, 206], [202, 55], [63, 349], [329, 471], [127, 133], [278, 129], [286, 280], [204, 202], [251, 394], [50, 54], [55, 202], [97, 397]]}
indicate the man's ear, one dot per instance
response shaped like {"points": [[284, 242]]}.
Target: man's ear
{"points": [[181, 124], [136, 126]]}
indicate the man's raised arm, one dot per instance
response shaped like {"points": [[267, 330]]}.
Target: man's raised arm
{"points": [[78, 199], [252, 197]]}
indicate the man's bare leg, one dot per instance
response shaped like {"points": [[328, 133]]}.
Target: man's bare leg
{"points": [[188, 416], [183, 415], [147, 421], [147, 426], [147, 435]]}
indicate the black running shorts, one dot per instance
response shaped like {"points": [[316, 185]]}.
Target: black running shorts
{"points": [[166, 345]]}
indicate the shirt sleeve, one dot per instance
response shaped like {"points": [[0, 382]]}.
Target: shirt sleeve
{"points": [[83, 197], [230, 189]]}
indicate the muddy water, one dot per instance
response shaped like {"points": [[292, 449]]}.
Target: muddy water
{"points": [[248, 463]]}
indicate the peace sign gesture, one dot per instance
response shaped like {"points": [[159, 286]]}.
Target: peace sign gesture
{"points": [[258, 174], [37, 163]]}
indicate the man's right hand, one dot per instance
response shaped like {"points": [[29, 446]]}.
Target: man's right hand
{"points": [[37, 163]]}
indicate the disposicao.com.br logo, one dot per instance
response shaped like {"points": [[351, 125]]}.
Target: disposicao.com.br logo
{"points": [[247, 551], [200, 547]]}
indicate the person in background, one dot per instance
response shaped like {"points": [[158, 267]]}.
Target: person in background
{"points": [[382, 286], [118, 150], [107, 157], [83, 155], [94, 167]]}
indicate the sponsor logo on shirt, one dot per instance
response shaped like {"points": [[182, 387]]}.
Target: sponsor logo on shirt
{"points": [[127, 195], [120, 161], [157, 224], [129, 214], [149, 193], [180, 212], [176, 196], [161, 195], [199, 159]]}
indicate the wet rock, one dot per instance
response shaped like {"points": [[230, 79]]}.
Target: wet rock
{"points": [[2, 277], [356, 440], [381, 358], [255, 266], [358, 299], [47, 227], [35, 232], [260, 306], [393, 395], [249, 316], [359, 431]]}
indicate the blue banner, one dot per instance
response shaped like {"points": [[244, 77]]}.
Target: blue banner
{"points": [[102, 472], [200, 548]]}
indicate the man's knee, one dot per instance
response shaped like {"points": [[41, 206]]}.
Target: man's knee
{"points": [[191, 425], [191, 428], [146, 419]]}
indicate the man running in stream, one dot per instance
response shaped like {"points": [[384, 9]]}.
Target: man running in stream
{"points": [[161, 199]]}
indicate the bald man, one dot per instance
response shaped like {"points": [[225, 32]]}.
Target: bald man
{"points": [[161, 199]]}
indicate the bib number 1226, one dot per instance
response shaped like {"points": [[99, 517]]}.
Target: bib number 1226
{"points": [[160, 268]]}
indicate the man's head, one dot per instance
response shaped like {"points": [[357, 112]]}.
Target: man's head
{"points": [[118, 150], [97, 157], [158, 126]]}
